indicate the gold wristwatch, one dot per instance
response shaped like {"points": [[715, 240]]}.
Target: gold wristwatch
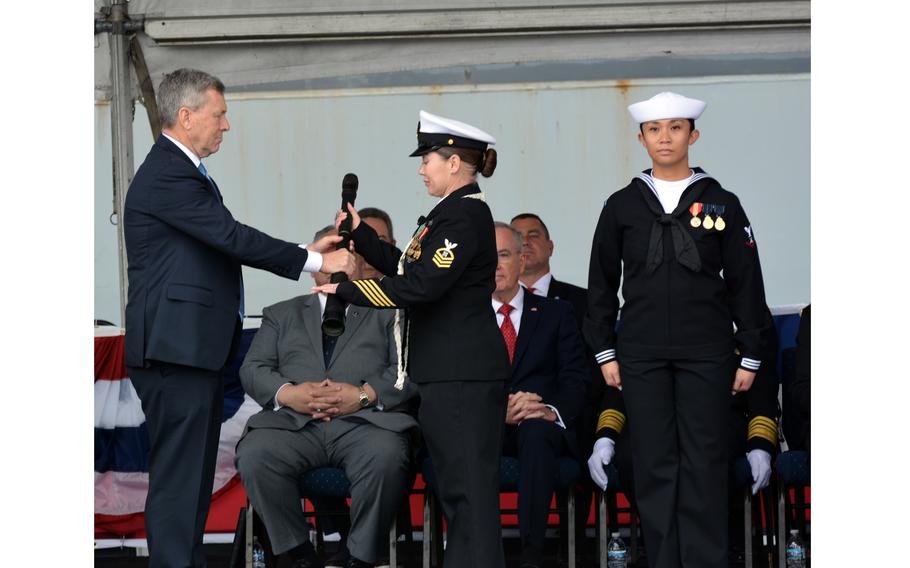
{"points": [[364, 398]]}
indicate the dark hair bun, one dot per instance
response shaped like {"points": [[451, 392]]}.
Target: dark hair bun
{"points": [[489, 162]]}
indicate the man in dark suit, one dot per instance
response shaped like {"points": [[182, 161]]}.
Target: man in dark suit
{"points": [[537, 248], [327, 402], [546, 390], [185, 307]]}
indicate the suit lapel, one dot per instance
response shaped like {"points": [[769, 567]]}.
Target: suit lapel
{"points": [[312, 321], [352, 321], [553, 291], [530, 315]]}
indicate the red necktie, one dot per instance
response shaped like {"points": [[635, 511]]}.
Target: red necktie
{"points": [[531, 289], [508, 330]]}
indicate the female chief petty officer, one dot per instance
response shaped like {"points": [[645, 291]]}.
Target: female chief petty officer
{"points": [[457, 356], [687, 255]]}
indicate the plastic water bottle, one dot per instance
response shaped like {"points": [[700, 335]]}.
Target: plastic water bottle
{"points": [[258, 554], [617, 557], [796, 551]]}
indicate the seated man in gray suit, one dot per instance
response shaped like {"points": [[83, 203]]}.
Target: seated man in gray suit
{"points": [[325, 403]]}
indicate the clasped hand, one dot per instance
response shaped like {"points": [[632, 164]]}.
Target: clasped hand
{"points": [[525, 405], [323, 400]]}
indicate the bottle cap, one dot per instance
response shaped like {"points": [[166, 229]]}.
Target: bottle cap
{"points": [[794, 531], [614, 534]]}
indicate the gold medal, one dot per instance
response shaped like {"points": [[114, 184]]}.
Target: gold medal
{"points": [[695, 210], [720, 223], [413, 251], [709, 222]]}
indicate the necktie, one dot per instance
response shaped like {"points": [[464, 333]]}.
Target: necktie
{"points": [[205, 172], [328, 347], [508, 330], [531, 289], [241, 309]]}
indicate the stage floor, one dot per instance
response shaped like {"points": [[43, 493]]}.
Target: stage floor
{"points": [[219, 556]]}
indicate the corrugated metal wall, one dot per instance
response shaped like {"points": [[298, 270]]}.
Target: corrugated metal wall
{"points": [[563, 148]]}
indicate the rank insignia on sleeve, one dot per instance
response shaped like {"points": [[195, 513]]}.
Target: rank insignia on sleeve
{"points": [[750, 239], [444, 255]]}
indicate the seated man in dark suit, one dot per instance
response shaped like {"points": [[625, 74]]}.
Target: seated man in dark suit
{"points": [[546, 391], [536, 276], [326, 402]]}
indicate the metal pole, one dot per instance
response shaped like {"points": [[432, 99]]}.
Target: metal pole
{"points": [[122, 130]]}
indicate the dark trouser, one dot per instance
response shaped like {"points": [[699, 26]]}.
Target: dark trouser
{"points": [[537, 444], [678, 418], [462, 424], [375, 461], [183, 407]]}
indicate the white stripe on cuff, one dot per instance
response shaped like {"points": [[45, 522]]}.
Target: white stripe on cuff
{"points": [[606, 356], [750, 364]]}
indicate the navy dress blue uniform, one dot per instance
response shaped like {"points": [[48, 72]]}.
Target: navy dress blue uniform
{"points": [[185, 252], [456, 355], [684, 288]]}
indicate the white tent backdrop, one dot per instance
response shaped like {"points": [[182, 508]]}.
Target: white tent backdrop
{"points": [[306, 110]]}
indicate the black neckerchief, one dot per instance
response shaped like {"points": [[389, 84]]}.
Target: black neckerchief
{"points": [[683, 245]]}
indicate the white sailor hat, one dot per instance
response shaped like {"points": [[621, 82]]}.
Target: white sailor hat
{"points": [[435, 132], [666, 105]]}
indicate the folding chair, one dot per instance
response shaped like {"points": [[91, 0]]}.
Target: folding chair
{"points": [[567, 474], [319, 482]]}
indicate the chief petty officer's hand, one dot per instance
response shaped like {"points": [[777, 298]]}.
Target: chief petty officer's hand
{"points": [[610, 372], [333, 260], [320, 399], [342, 215], [743, 380], [600, 457], [526, 405]]}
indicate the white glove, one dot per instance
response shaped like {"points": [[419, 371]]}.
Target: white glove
{"points": [[760, 462], [601, 456]]}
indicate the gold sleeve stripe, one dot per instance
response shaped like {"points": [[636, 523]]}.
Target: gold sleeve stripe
{"points": [[367, 292], [379, 292], [763, 427], [613, 419], [763, 420]]}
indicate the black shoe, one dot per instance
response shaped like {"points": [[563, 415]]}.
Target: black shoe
{"points": [[531, 557], [306, 557], [355, 563], [338, 559], [307, 563]]}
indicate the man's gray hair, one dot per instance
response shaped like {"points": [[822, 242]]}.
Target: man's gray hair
{"points": [[324, 231], [184, 88], [511, 229]]}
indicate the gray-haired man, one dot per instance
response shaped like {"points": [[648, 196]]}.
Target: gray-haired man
{"points": [[185, 306]]}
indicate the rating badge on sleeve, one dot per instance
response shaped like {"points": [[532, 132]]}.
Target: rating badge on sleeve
{"points": [[444, 257]]}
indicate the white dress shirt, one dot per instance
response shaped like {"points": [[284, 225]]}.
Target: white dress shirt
{"points": [[542, 286]]}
